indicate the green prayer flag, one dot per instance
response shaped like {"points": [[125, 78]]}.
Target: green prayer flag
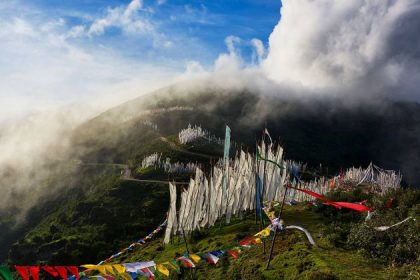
{"points": [[226, 160], [175, 265], [268, 160], [5, 273]]}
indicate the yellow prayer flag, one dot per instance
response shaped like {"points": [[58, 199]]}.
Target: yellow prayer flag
{"points": [[109, 270], [102, 269], [264, 233], [162, 269], [258, 240], [195, 258], [119, 268], [90, 266]]}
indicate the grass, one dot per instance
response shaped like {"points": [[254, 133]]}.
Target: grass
{"points": [[294, 257], [100, 214]]}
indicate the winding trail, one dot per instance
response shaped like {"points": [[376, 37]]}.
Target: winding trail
{"points": [[155, 181], [126, 172], [185, 151]]}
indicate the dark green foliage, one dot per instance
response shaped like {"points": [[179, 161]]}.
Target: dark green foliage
{"points": [[348, 229], [97, 213], [340, 221], [111, 216], [396, 245]]}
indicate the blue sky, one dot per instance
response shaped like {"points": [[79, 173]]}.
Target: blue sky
{"points": [[193, 30], [55, 52]]}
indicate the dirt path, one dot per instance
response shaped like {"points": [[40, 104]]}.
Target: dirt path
{"points": [[121, 165], [182, 150], [155, 181], [126, 172]]}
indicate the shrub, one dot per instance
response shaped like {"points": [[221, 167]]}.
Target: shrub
{"points": [[396, 245]]}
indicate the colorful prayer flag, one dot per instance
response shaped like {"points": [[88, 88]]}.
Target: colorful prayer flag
{"points": [[212, 259], [62, 271], [163, 270], [5, 273], [233, 253], [34, 270], [195, 258], [23, 271], [186, 261], [174, 265], [264, 233]]}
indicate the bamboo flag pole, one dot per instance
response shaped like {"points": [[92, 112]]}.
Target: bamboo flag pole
{"points": [[264, 182], [257, 168], [225, 172], [275, 229]]}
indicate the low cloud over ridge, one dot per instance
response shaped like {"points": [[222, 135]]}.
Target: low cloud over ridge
{"points": [[361, 47]]}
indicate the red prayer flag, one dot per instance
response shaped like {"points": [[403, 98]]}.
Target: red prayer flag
{"points": [[250, 240], [50, 270], [34, 270], [349, 205], [62, 271], [23, 271], [148, 273], [74, 271], [186, 261], [233, 253], [354, 206]]}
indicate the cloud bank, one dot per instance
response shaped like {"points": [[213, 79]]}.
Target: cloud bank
{"points": [[361, 47]]}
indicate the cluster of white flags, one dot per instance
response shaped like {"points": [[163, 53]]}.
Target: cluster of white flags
{"points": [[384, 179], [179, 167], [191, 133], [151, 160], [205, 200], [150, 124], [155, 160], [320, 186]]}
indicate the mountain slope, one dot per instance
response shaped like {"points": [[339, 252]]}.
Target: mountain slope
{"points": [[99, 212]]}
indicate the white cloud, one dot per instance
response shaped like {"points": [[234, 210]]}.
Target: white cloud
{"points": [[76, 31], [126, 18], [231, 61], [48, 85], [40, 68], [258, 51], [370, 47]]}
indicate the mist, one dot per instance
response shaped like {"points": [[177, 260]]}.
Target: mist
{"points": [[365, 49], [355, 51]]}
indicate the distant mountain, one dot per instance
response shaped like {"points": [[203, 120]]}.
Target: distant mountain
{"points": [[334, 132], [100, 212]]}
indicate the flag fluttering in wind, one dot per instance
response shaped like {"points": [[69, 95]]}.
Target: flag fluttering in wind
{"points": [[349, 205]]}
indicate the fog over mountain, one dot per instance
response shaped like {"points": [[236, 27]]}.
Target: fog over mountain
{"points": [[360, 48], [354, 52]]}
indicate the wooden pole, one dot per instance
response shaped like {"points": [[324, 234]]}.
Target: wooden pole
{"points": [[185, 240], [264, 181], [275, 229], [256, 167]]}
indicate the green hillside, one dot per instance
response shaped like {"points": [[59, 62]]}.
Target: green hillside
{"points": [[97, 211], [294, 257]]}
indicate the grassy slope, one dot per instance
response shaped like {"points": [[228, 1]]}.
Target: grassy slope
{"points": [[294, 258], [103, 213], [106, 214]]}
